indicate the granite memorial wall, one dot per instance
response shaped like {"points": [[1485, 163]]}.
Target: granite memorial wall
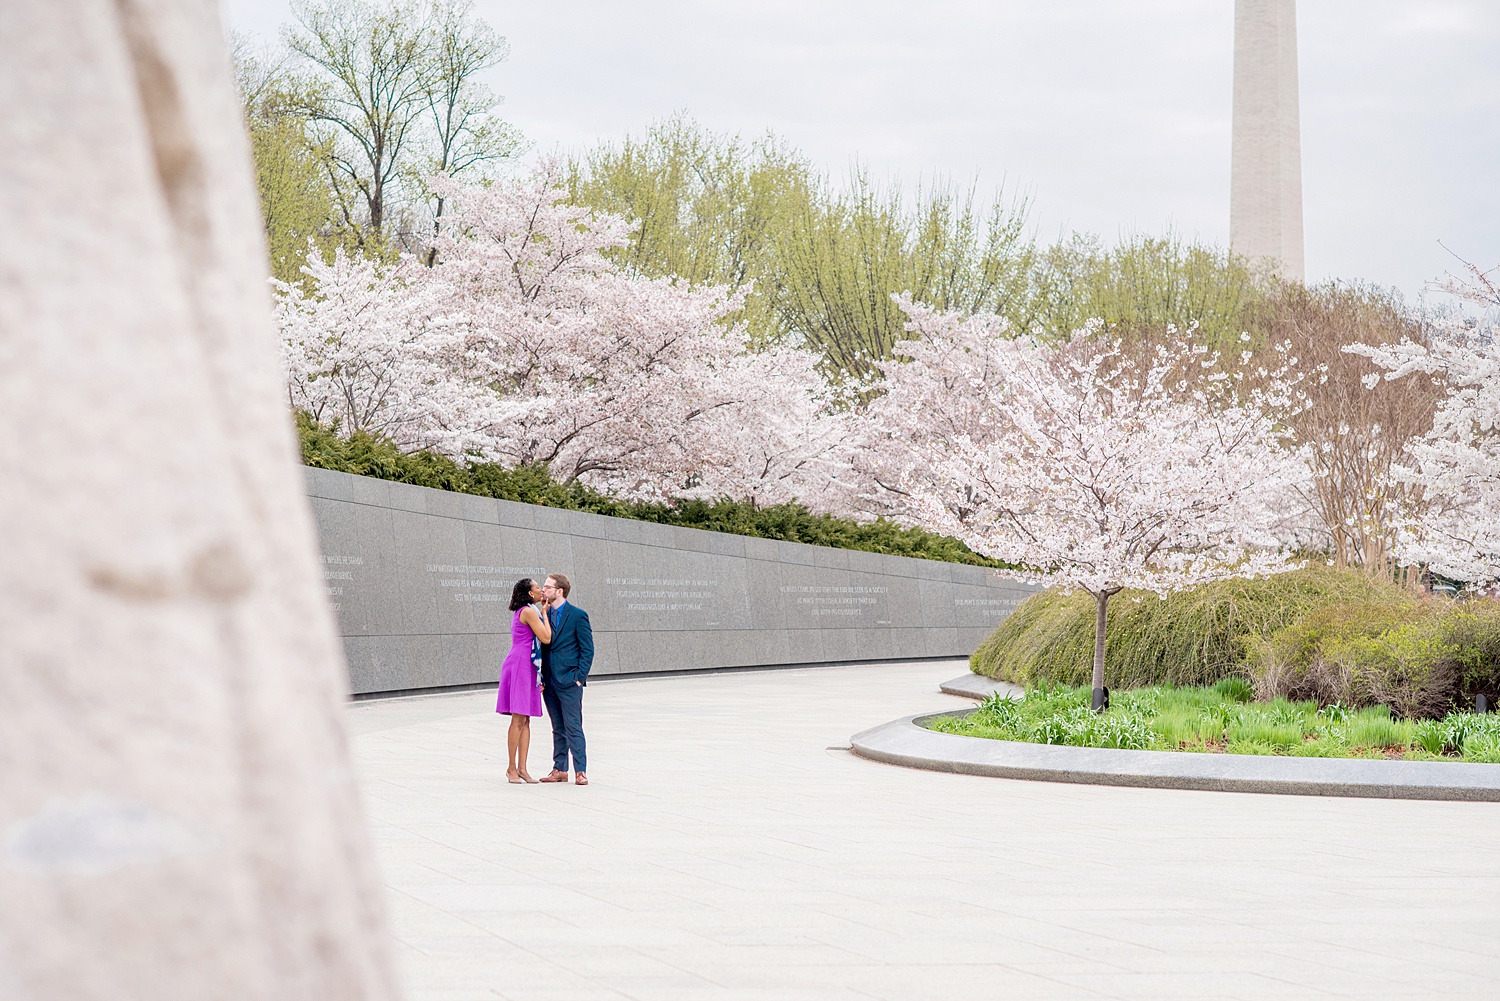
{"points": [[420, 581]]}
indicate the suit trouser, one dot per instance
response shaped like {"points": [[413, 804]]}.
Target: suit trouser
{"points": [[565, 710]]}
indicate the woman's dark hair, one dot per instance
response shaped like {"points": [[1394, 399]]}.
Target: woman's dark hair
{"points": [[520, 595]]}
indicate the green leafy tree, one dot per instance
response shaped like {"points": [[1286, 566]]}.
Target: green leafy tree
{"points": [[465, 136], [297, 204], [846, 254], [708, 209], [824, 260], [822, 263], [1143, 286], [367, 92], [394, 93]]}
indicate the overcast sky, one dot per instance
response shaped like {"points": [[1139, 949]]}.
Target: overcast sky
{"points": [[1112, 115]]}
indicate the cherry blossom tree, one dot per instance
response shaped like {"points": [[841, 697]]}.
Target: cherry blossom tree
{"points": [[1452, 523], [1456, 467], [1085, 465], [377, 348], [935, 392], [1475, 285], [650, 387], [785, 439], [525, 343]]}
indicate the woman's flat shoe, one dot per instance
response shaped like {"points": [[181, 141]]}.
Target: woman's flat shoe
{"points": [[529, 780], [515, 780]]}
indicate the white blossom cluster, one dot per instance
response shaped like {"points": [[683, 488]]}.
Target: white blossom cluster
{"points": [[525, 344], [1452, 523], [1090, 463], [1456, 466], [1085, 465]]}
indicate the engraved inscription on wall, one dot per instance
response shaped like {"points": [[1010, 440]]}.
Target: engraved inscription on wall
{"points": [[693, 599], [339, 578], [989, 608], [465, 582], [833, 605], [421, 598]]}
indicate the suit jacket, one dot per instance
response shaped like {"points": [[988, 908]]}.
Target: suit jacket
{"points": [[567, 659]]}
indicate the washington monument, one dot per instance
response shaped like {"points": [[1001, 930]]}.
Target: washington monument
{"points": [[1265, 173]]}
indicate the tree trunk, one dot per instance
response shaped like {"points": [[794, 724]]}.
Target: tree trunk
{"points": [[1100, 700]]}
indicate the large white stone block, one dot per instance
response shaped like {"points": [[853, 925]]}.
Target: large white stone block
{"points": [[178, 820]]}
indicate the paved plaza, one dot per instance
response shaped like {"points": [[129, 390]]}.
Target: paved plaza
{"points": [[727, 850]]}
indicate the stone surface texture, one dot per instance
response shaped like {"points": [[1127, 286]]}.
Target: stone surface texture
{"points": [[420, 580], [724, 852], [1265, 177], [908, 742], [178, 821], [978, 687]]}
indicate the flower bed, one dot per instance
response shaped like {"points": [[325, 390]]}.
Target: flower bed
{"points": [[1221, 719]]}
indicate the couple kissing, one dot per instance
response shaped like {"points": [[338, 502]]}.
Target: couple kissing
{"points": [[551, 651]]}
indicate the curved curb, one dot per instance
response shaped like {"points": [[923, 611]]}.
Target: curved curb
{"points": [[977, 686], [906, 742]]}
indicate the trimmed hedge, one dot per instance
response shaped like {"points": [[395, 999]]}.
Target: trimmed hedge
{"points": [[1192, 637], [367, 455]]}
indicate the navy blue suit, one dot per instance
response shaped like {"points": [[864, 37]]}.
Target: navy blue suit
{"points": [[565, 670]]}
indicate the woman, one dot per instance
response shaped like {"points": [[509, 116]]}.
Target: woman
{"points": [[520, 693]]}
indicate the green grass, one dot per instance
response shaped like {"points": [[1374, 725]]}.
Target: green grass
{"points": [[1219, 719], [1194, 637]]}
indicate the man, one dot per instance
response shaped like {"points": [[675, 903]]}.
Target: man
{"points": [[565, 670]]}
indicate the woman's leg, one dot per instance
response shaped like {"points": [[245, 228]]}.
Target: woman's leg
{"points": [[523, 748], [513, 745]]}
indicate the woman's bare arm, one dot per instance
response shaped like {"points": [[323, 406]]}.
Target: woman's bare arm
{"points": [[538, 624]]}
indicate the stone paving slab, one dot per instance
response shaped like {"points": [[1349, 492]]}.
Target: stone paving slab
{"points": [[908, 742], [724, 852]]}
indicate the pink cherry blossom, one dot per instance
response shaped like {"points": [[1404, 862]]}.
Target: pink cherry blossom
{"points": [[1087, 466], [377, 348], [1456, 466], [525, 343]]}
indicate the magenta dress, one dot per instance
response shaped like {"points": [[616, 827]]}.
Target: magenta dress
{"points": [[519, 691]]}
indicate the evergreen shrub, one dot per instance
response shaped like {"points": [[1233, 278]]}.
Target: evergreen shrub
{"points": [[368, 455]]}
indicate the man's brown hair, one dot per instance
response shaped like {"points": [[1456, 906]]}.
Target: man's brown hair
{"points": [[562, 582]]}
